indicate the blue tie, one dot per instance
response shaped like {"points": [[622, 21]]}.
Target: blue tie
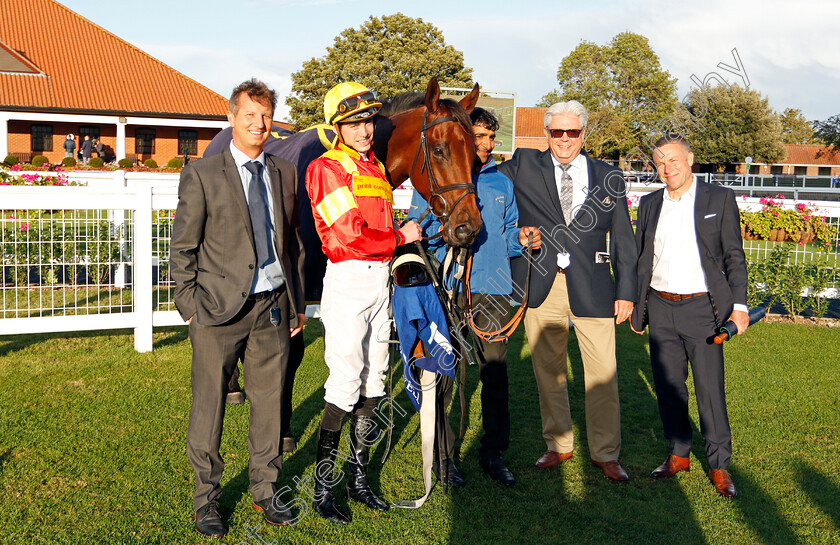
{"points": [[260, 217]]}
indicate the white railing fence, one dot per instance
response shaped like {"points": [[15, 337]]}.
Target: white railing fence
{"points": [[97, 257]]}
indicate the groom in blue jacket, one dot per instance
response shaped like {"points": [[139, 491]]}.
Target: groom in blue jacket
{"points": [[490, 285]]}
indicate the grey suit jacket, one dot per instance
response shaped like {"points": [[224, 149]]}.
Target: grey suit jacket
{"points": [[592, 291], [718, 227], [212, 254]]}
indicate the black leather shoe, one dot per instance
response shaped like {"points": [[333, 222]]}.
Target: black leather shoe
{"points": [[275, 511], [497, 470], [209, 522], [448, 474]]}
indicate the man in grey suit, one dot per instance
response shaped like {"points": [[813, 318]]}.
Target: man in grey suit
{"points": [[575, 201], [692, 279], [236, 261]]}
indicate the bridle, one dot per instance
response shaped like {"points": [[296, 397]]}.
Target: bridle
{"points": [[436, 190]]}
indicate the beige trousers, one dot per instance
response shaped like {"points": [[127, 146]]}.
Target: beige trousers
{"points": [[547, 327]]}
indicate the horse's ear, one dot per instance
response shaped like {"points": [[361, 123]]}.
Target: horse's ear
{"points": [[432, 95], [469, 101]]}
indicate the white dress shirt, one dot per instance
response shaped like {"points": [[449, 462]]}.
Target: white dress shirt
{"points": [[676, 255], [271, 276]]}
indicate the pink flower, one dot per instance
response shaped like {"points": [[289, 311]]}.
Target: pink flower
{"points": [[16, 167], [24, 227], [12, 217], [743, 197], [775, 213], [801, 243]]}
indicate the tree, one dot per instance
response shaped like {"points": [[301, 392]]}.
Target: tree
{"points": [[623, 86], [726, 124], [389, 54], [795, 128], [828, 131]]}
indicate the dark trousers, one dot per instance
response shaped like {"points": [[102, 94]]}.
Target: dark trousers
{"points": [[297, 348], [490, 312], [681, 332], [263, 349]]}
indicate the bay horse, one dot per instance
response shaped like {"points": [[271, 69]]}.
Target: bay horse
{"points": [[418, 136]]}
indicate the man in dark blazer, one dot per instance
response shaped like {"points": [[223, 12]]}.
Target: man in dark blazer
{"points": [[692, 279], [236, 260], [575, 201]]}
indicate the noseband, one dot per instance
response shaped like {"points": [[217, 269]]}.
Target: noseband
{"points": [[435, 189]]}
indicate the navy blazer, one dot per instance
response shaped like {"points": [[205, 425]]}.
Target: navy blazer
{"points": [[717, 223], [592, 290]]}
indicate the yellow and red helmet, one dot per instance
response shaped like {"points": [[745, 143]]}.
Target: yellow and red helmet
{"points": [[348, 102]]}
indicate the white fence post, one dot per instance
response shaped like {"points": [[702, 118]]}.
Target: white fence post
{"points": [[143, 298]]}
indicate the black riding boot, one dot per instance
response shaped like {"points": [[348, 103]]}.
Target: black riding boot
{"points": [[324, 501], [362, 428]]}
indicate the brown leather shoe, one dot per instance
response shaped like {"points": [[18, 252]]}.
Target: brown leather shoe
{"points": [[552, 459], [673, 465], [612, 470], [723, 483]]}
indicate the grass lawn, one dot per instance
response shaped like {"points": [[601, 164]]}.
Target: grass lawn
{"points": [[92, 450]]}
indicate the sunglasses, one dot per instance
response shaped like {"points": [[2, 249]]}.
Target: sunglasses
{"points": [[558, 133], [351, 103]]}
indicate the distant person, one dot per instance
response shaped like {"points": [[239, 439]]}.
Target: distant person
{"points": [[87, 148], [835, 181], [69, 146], [99, 148], [692, 279]]}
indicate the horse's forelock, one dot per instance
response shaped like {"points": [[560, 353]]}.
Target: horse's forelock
{"points": [[414, 99]]}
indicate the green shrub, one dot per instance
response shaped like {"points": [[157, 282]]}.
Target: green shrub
{"points": [[68, 162], [174, 163], [96, 162], [39, 160], [125, 163], [150, 163], [11, 160]]}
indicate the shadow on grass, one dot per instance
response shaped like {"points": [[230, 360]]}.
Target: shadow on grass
{"points": [[15, 343], [759, 510], [3, 458], [822, 491]]}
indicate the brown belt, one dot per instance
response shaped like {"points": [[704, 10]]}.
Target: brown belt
{"points": [[266, 294], [677, 296], [561, 271]]}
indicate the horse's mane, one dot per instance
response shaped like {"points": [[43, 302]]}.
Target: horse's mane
{"points": [[414, 99]]}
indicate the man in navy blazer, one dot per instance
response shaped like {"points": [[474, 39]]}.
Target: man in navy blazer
{"points": [[692, 279], [575, 201]]}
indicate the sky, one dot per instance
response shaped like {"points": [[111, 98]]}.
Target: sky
{"points": [[789, 52]]}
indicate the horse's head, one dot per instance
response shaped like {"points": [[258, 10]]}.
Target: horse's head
{"points": [[434, 146]]}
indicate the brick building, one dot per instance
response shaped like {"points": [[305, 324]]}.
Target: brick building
{"points": [[139, 107]]}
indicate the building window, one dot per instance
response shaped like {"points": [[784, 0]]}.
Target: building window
{"points": [[824, 171], [776, 169], [88, 130], [187, 142], [42, 137], [144, 141], [800, 171]]}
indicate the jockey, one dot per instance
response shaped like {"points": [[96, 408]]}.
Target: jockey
{"points": [[352, 207]]}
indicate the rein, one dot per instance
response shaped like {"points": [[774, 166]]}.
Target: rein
{"points": [[435, 189], [504, 332]]}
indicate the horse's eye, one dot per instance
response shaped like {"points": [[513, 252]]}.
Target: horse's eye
{"points": [[438, 152]]}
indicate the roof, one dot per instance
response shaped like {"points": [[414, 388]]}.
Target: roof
{"points": [[41, 69], [529, 122], [811, 154]]}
